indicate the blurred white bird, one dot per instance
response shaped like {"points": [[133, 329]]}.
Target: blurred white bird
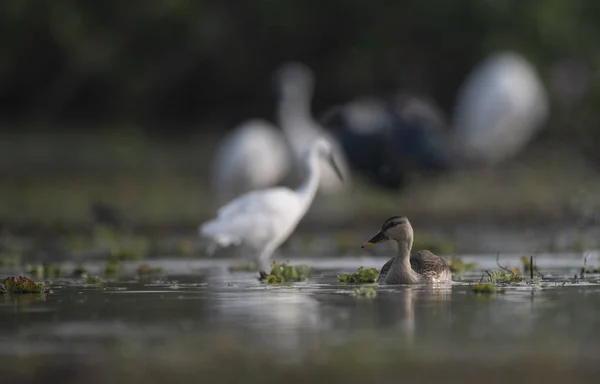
{"points": [[262, 220], [255, 155], [295, 86], [499, 108]]}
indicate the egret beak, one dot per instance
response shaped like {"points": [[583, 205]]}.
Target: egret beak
{"points": [[378, 238], [335, 167]]}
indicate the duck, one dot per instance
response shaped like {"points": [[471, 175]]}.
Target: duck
{"points": [[406, 268]]}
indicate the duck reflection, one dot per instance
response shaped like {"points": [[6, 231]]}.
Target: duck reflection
{"points": [[281, 318], [406, 309]]}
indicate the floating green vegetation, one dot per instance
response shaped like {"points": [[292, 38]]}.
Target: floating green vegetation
{"points": [[282, 273], [585, 269], [146, 270], [112, 268], [365, 292], [459, 267], [435, 245], [80, 271], [10, 260], [526, 260], [243, 267], [123, 253], [505, 276], [44, 271], [93, 280], [484, 288], [362, 276], [22, 285]]}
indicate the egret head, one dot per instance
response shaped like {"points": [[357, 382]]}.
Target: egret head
{"points": [[324, 150], [294, 80], [396, 228]]}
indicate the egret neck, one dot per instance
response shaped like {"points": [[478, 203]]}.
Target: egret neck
{"points": [[308, 188]]}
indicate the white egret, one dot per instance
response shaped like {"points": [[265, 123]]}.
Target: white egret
{"points": [[295, 85], [498, 110], [253, 156], [262, 220]]}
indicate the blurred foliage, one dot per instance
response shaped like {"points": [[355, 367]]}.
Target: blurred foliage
{"points": [[458, 267], [183, 61], [283, 273], [144, 270], [484, 288], [22, 284], [365, 292], [362, 276]]}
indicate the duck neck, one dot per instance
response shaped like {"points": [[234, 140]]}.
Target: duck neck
{"points": [[308, 188], [403, 256], [403, 271]]}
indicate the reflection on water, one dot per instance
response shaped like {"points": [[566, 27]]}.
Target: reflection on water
{"points": [[211, 312]]}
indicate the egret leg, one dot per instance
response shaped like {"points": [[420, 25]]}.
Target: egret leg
{"points": [[263, 263]]}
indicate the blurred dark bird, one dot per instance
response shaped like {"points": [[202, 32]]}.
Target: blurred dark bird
{"points": [[386, 138], [105, 214], [498, 110]]}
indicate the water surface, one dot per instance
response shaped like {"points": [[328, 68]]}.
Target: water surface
{"points": [[200, 320]]}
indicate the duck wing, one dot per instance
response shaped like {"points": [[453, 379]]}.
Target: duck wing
{"points": [[430, 265], [384, 270]]}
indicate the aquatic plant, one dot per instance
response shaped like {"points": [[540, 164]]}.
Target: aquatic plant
{"points": [[146, 270], [484, 288], [44, 271], [22, 285], [282, 272], [80, 271], [243, 267], [362, 276], [504, 276], [112, 268], [123, 253], [459, 267], [93, 280], [365, 292], [526, 260]]}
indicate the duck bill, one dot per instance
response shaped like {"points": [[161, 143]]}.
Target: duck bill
{"points": [[336, 168], [378, 238]]}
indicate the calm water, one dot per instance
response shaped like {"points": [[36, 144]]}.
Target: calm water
{"points": [[201, 321]]}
